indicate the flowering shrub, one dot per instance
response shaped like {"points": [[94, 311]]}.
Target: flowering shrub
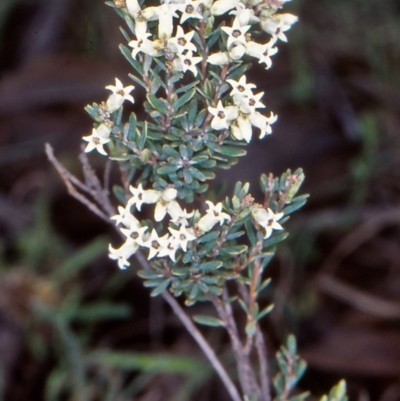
{"points": [[191, 58]]}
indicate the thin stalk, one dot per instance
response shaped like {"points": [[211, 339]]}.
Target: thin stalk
{"points": [[246, 374], [197, 336], [263, 362]]}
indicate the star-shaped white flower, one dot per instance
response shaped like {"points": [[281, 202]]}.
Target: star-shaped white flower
{"points": [[182, 236], [263, 123], [188, 62], [244, 15], [223, 116], [125, 217], [168, 247], [154, 243], [214, 215], [100, 136], [123, 253], [277, 24], [179, 216], [236, 34], [181, 41], [119, 95], [262, 51], [190, 9], [143, 44], [140, 196], [250, 104], [267, 219], [240, 89]]}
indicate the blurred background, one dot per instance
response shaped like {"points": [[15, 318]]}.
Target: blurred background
{"points": [[74, 327]]}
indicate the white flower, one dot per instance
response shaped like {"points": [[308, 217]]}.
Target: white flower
{"points": [[213, 216], [168, 247], [122, 254], [166, 12], [134, 232], [220, 58], [166, 203], [263, 123], [182, 236], [125, 217], [222, 116], [244, 15], [119, 95], [140, 196], [179, 216], [236, 34], [240, 89], [236, 52], [250, 104], [241, 128], [143, 44], [149, 13], [277, 24], [133, 7], [267, 219], [222, 6], [188, 62], [154, 243], [190, 9], [100, 136], [181, 41], [262, 51]]}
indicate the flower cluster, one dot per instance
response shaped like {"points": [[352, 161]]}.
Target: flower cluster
{"points": [[183, 227], [179, 50], [241, 116], [239, 41], [168, 34], [102, 134]]}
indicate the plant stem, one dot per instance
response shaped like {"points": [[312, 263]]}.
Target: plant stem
{"points": [[197, 336], [263, 361], [246, 373]]}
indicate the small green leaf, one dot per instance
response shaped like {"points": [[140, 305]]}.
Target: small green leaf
{"points": [[192, 111], [208, 266], [135, 64], [243, 306], [158, 104], [300, 397], [296, 203], [208, 321], [235, 235], [119, 193], [209, 236], [232, 152], [142, 137], [265, 312], [264, 285], [278, 237], [168, 169], [338, 393], [234, 250], [161, 288], [184, 99]]}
